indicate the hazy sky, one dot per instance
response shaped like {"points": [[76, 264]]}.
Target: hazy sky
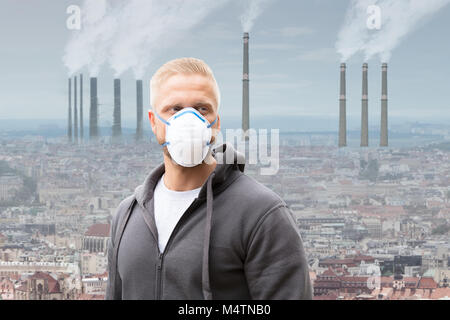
{"points": [[294, 68]]}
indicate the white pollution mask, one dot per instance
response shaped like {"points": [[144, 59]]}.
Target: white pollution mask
{"points": [[188, 136]]}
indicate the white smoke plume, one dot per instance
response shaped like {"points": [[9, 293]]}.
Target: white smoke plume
{"points": [[253, 8], [398, 19], [149, 26], [128, 34], [89, 46]]}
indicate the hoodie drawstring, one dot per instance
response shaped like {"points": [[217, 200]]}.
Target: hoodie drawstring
{"points": [[206, 287]]}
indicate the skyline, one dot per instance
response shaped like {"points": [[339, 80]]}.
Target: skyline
{"points": [[294, 67]]}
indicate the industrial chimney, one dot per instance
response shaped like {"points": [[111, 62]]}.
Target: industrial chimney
{"points": [[365, 109], [93, 112], [81, 109], [342, 111], [139, 110], [384, 106], [245, 91], [117, 127], [69, 121], [75, 125]]}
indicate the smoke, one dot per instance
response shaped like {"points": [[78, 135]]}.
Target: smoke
{"points": [[129, 34], [398, 19], [354, 33], [89, 45], [147, 27], [253, 8]]}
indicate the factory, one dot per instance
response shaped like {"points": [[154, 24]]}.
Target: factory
{"points": [[364, 107]]}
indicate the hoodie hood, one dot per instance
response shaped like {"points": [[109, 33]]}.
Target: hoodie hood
{"points": [[230, 165]]}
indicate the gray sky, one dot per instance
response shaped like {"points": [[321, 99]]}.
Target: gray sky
{"points": [[294, 68]]}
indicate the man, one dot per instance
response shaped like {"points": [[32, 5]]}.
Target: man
{"points": [[198, 227]]}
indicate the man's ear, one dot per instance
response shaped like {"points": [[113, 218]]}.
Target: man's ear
{"points": [[151, 118]]}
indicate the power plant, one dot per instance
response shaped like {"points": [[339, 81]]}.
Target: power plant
{"points": [[245, 91], [384, 106], [69, 123], [117, 124], [75, 125], [364, 108], [73, 134], [139, 110], [342, 109], [81, 109], [93, 112]]}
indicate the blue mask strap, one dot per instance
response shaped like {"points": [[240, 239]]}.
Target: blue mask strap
{"points": [[159, 117], [212, 123], [189, 111], [209, 126]]}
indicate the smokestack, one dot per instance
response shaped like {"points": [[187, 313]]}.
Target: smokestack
{"points": [[365, 109], [342, 111], [75, 125], [117, 127], [139, 110], [81, 109], [93, 112], [384, 106], [245, 90], [69, 121]]}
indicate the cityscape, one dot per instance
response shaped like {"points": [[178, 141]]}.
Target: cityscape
{"points": [[364, 214]]}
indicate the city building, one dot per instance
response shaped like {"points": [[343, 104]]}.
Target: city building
{"points": [[96, 238]]}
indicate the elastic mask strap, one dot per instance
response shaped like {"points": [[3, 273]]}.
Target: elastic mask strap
{"points": [[212, 123], [189, 111], [159, 117], [209, 126]]}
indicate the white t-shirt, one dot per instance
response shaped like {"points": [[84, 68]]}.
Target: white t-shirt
{"points": [[169, 206]]}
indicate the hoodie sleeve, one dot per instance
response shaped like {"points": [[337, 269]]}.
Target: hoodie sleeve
{"points": [[275, 264], [114, 287], [113, 290]]}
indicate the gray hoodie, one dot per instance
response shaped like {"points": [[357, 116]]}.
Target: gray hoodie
{"points": [[237, 240]]}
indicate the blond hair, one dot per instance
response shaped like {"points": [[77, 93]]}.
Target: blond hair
{"points": [[181, 66]]}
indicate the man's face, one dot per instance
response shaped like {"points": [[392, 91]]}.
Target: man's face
{"points": [[182, 91]]}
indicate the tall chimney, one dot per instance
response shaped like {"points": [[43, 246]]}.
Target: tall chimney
{"points": [[93, 112], [245, 90], [81, 109], [139, 110], [117, 127], [69, 120], [342, 111], [365, 109], [75, 125], [384, 107]]}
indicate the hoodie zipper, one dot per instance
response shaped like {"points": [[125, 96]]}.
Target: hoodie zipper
{"points": [[161, 255], [159, 278]]}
